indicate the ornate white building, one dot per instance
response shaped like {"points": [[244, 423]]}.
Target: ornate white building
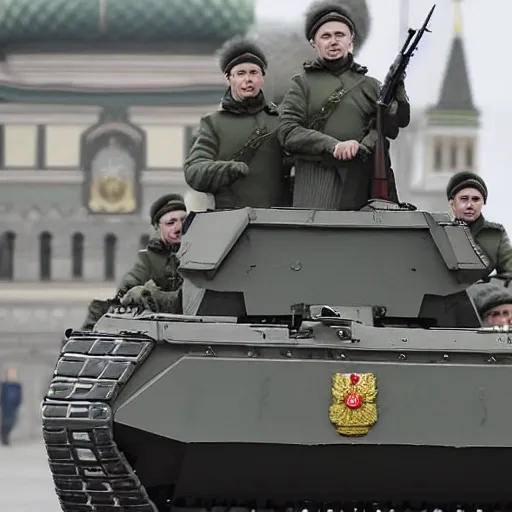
{"points": [[98, 103]]}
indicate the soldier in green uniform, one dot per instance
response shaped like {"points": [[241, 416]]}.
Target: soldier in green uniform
{"points": [[493, 303], [328, 117], [236, 156], [153, 282], [467, 194]]}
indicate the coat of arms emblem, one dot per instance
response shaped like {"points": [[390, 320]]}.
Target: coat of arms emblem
{"points": [[353, 410], [113, 183]]}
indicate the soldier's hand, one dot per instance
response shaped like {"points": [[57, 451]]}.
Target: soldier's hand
{"points": [[132, 296], [346, 150], [237, 170], [242, 168]]}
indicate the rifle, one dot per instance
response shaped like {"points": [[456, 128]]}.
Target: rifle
{"points": [[380, 187]]}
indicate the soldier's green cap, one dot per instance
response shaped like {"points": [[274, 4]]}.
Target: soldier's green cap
{"points": [[165, 204], [489, 295], [466, 179]]}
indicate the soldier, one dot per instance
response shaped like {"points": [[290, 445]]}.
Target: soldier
{"points": [[236, 156], [467, 193], [328, 117], [493, 303], [153, 282]]}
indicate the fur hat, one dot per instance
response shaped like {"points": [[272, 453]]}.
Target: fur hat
{"points": [[466, 179], [239, 50], [354, 13], [489, 295], [165, 204]]}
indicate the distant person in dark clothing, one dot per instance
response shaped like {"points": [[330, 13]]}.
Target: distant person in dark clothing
{"points": [[10, 401]]}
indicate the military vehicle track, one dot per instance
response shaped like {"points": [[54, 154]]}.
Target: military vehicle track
{"points": [[89, 471]]}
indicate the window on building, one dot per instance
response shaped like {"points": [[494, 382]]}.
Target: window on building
{"points": [[143, 241], [453, 155], [438, 155], [7, 247], [470, 155], [110, 245], [45, 256], [77, 255]]}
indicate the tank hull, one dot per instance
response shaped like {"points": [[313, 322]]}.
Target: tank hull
{"points": [[153, 425], [283, 474]]}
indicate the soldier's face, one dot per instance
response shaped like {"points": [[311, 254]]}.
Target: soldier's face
{"points": [[246, 81], [171, 227], [333, 40], [500, 315], [467, 204]]}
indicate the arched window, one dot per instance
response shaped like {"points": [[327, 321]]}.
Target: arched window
{"points": [[45, 256], [110, 256], [77, 255], [453, 156], [438, 155], [469, 155], [7, 246], [143, 241]]}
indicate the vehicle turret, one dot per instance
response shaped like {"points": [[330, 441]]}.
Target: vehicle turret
{"points": [[394, 266]]}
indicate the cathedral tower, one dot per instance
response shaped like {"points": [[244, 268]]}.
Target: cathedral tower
{"points": [[447, 137]]}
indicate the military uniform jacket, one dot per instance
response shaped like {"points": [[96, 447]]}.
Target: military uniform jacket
{"points": [[324, 107], [493, 239], [157, 262], [237, 158]]}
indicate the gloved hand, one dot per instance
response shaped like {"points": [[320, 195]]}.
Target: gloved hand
{"points": [[239, 170], [133, 296], [160, 301]]}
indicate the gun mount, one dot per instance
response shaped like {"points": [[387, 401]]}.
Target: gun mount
{"points": [[236, 406]]}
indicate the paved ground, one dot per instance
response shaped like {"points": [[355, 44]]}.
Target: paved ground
{"points": [[25, 481]]}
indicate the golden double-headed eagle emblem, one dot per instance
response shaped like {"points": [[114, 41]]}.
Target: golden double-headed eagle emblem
{"points": [[113, 186], [353, 410]]}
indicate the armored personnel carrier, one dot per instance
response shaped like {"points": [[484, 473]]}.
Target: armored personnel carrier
{"points": [[324, 361]]}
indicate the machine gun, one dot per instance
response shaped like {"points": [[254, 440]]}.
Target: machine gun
{"points": [[380, 188]]}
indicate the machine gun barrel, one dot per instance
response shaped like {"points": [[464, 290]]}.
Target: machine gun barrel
{"points": [[396, 73]]}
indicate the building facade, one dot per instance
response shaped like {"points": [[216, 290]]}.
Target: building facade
{"points": [[98, 104]]}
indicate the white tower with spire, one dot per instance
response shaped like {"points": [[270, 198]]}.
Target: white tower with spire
{"points": [[444, 138]]}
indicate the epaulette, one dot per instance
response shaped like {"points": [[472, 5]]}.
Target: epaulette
{"points": [[493, 225]]}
